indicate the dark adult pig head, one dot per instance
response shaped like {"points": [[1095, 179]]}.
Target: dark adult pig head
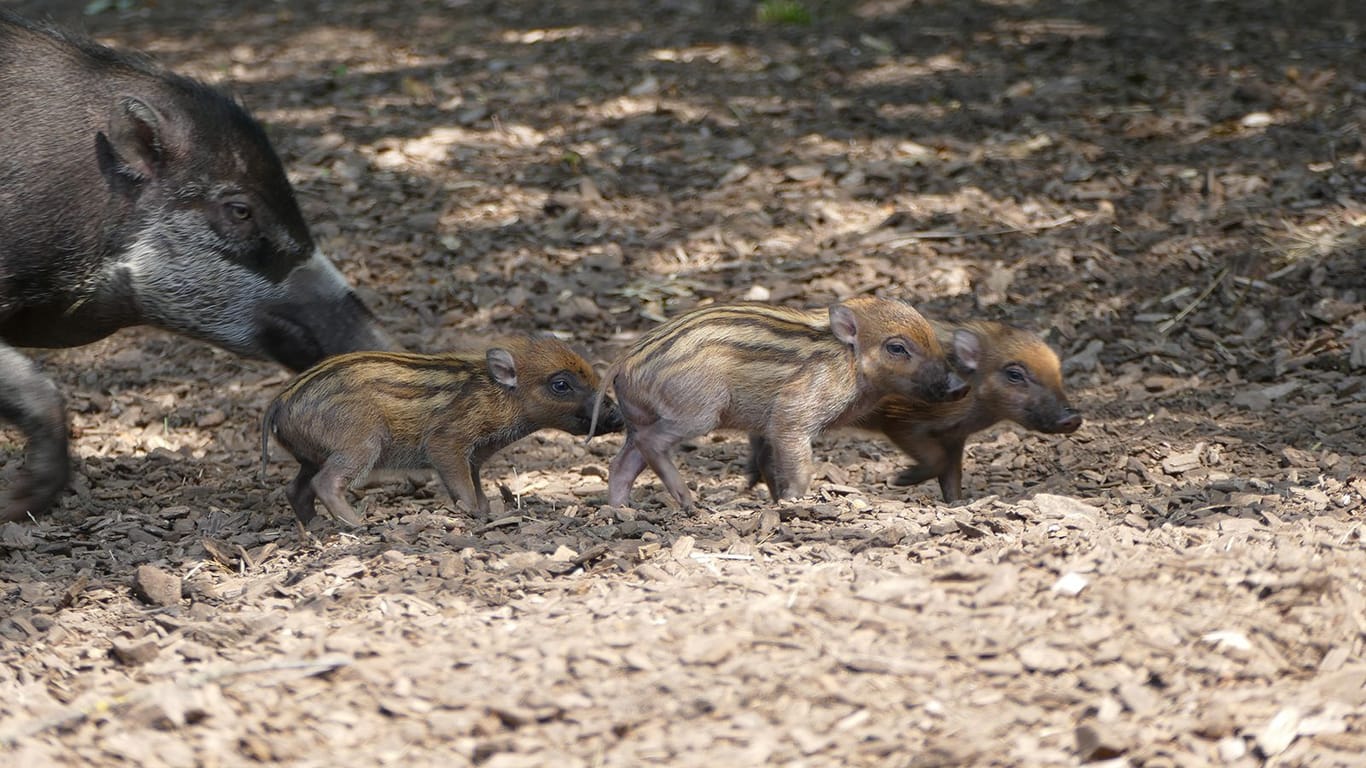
{"points": [[271, 292], [130, 195]]}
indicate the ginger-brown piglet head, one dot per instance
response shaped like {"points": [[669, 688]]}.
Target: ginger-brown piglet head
{"points": [[897, 349], [556, 386], [1016, 376]]}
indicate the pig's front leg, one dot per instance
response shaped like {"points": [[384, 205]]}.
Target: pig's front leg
{"points": [[791, 464], [931, 459], [32, 403], [759, 465], [460, 477], [480, 499], [951, 478]]}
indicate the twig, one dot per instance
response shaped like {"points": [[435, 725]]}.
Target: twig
{"points": [[953, 234], [1167, 325]]}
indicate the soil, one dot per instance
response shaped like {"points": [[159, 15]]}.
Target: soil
{"points": [[1173, 193]]}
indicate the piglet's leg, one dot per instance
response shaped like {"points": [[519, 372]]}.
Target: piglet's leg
{"points": [[656, 442], [931, 460], [300, 492], [338, 472], [480, 500], [760, 464], [461, 479], [951, 479], [790, 465], [622, 473]]}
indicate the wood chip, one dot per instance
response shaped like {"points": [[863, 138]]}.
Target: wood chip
{"points": [[155, 586]]}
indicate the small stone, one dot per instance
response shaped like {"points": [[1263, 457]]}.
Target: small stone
{"points": [[682, 548], [1252, 400], [1039, 656], [737, 172], [1280, 391], [804, 172], [135, 653], [757, 292], [450, 566], [943, 527], [1180, 463], [1139, 698], [1097, 742], [1056, 507], [154, 586], [1231, 748]]}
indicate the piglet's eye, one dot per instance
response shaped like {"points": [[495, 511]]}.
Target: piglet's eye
{"points": [[1015, 375], [897, 348], [561, 386]]}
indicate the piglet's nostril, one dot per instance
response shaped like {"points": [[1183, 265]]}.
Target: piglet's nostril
{"points": [[1070, 422]]}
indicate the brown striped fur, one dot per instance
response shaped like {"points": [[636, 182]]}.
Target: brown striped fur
{"points": [[785, 373], [389, 410], [1015, 377]]}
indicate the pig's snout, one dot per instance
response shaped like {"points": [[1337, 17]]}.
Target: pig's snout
{"points": [[318, 317], [608, 420], [1069, 421], [939, 384], [956, 388]]}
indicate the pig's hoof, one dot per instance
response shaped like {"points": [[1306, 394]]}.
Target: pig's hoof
{"points": [[15, 511], [351, 519], [345, 513], [908, 477], [28, 500]]}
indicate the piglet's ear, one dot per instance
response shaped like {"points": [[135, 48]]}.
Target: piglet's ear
{"points": [[967, 349], [843, 323], [502, 367], [135, 146]]}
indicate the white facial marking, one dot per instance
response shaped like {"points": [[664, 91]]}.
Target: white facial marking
{"points": [[181, 284]]}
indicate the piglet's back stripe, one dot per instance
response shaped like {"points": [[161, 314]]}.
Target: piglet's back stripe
{"points": [[778, 330]]}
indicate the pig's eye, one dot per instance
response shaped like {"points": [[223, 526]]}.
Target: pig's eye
{"points": [[238, 211], [1015, 374], [561, 386], [897, 348]]}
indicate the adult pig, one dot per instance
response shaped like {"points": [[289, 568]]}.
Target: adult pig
{"points": [[130, 195]]}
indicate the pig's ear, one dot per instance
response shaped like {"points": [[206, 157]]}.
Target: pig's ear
{"points": [[843, 323], [502, 367], [967, 349], [134, 148]]}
